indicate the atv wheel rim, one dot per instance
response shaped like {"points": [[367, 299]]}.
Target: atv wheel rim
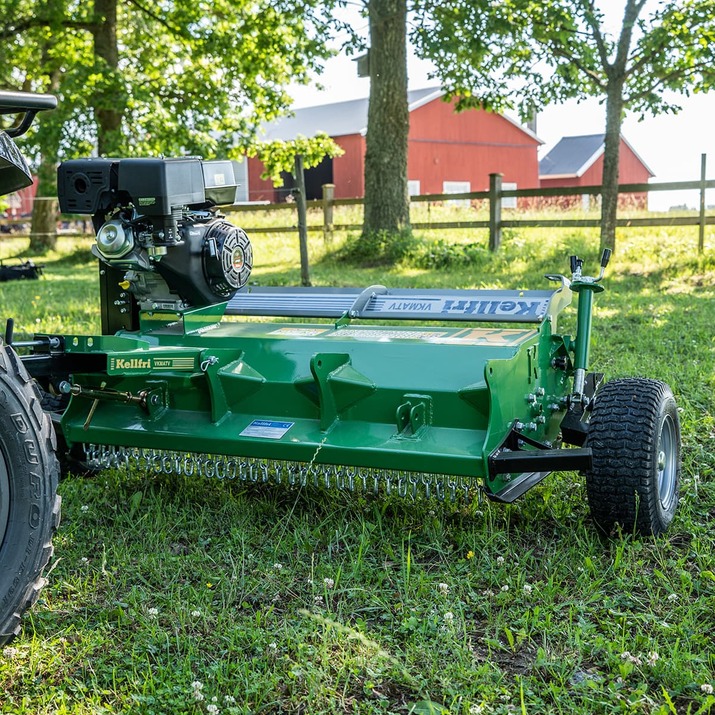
{"points": [[4, 497], [666, 465]]}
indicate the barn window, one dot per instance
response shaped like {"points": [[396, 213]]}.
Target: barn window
{"points": [[413, 187], [456, 187], [508, 202]]}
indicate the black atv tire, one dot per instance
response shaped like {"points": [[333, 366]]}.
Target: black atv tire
{"points": [[634, 436], [29, 504]]}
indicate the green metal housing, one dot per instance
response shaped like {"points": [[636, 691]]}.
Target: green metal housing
{"points": [[430, 399]]}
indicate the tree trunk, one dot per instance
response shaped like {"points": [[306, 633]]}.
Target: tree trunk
{"points": [[43, 230], [108, 104], [611, 154], [387, 206]]}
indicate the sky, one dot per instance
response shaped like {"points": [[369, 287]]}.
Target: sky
{"points": [[670, 145]]}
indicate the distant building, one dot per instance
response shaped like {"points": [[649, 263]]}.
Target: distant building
{"points": [[448, 152], [578, 161]]}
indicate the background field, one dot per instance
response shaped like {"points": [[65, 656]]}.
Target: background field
{"points": [[171, 595]]}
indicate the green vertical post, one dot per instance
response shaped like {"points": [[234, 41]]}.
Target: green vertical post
{"points": [[585, 292], [583, 334]]}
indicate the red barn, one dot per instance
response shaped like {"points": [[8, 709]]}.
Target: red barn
{"points": [[447, 151], [578, 161]]}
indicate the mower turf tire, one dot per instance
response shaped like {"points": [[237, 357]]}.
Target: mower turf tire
{"points": [[634, 436], [29, 504]]}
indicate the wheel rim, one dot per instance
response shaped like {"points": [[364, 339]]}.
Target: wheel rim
{"points": [[667, 467], [4, 497]]}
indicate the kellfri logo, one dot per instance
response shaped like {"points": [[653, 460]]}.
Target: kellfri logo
{"points": [[131, 364]]}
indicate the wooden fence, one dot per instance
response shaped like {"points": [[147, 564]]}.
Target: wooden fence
{"points": [[494, 197]]}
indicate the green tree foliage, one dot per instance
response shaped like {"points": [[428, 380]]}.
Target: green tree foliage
{"points": [[278, 156], [532, 52], [135, 77]]}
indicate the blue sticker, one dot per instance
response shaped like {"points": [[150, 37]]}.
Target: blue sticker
{"points": [[266, 429]]}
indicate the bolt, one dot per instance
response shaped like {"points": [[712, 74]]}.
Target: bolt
{"points": [[541, 420], [154, 399], [531, 426], [531, 398], [540, 391], [518, 426]]}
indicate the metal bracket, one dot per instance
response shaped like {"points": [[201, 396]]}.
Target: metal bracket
{"points": [[413, 414]]}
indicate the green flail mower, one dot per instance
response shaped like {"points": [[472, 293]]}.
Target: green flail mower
{"points": [[437, 394]]}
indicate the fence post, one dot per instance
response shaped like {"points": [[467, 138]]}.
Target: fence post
{"points": [[701, 232], [495, 181], [302, 221], [328, 196]]}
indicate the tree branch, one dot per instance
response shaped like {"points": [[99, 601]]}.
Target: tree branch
{"points": [[674, 74], [590, 14], [630, 15], [34, 22], [174, 30], [592, 74]]}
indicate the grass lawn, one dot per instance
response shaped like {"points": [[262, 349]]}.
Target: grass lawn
{"points": [[175, 595]]}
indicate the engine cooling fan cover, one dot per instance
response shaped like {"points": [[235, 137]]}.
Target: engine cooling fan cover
{"points": [[227, 258]]}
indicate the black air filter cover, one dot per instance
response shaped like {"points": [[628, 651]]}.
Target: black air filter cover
{"points": [[84, 186]]}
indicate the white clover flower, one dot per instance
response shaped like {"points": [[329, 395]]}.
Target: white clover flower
{"points": [[318, 600], [488, 593], [278, 566], [653, 658], [625, 655], [9, 652], [84, 560], [152, 611], [673, 597], [528, 588], [196, 614], [443, 588], [198, 696], [229, 699], [329, 583], [213, 709], [449, 616], [273, 646], [505, 588], [84, 508], [197, 685], [706, 688], [500, 560]]}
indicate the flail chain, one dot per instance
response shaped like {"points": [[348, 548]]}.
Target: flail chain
{"points": [[405, 484]]}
